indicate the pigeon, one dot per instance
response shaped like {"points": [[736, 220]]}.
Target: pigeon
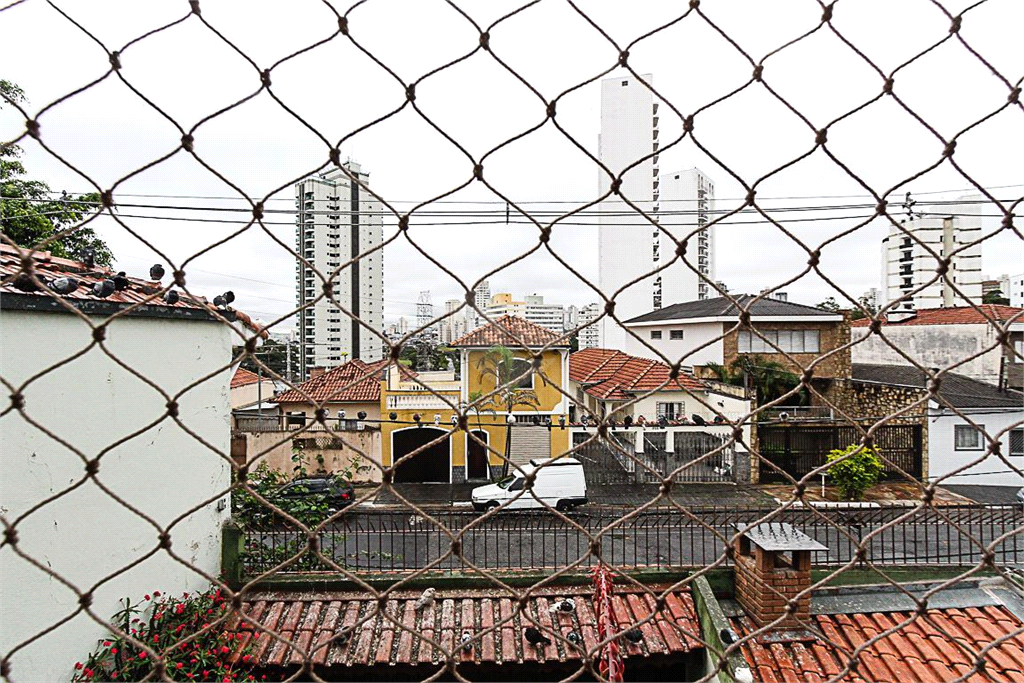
{"points": [[104, 288], [229, 296], [219, 301], [343, 636], [634, 636], [171, 297], [25, 283], [535, 637], [574, 638], [564, 606], [88, 257], [467, 641], [427, 598], [121, 281], [64, 285], [156, 272]]}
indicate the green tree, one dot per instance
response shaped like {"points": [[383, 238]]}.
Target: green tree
{"points": [[510, 375], [31, 217], [830, 304], [770, 379], [865, 302], [995, 297], [854, 470]]}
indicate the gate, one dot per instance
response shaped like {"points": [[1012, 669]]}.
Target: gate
{"points": [[797, 450], [697, 457]]}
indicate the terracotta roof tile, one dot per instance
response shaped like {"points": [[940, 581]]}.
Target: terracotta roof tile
{"points": [[954, 315], [613, 375], [313, 621], [243, 377], [353, 382], [917, 652], [512, 332], [48, 267]]}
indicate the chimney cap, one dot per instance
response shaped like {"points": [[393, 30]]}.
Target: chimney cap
{"points": [[775, 536]]}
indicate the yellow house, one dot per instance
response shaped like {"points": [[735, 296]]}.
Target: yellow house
{"points": [[427, 420]]}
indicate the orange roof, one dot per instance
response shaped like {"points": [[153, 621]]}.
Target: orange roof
{"points": [[955, 315], [315, 622], [919, 651], [243, 377], [353, 382], [48, 267], [613, 375], [512, 332]]}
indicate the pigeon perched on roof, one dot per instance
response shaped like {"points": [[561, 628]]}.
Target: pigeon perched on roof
{"points": [[64, 285], [466, 641], [104, 288], [171, 297], [88, 258], [156, 272], [574, 638], [634, 636], [24, 282], [219, 301], [427, 598], [229, 296], [564, 606], [121, 281], [535, 637]]}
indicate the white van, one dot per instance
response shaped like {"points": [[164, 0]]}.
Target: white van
{"points": [[559, 483]]}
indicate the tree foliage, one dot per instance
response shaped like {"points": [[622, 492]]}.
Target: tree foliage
{"points": [[854, 470], [995, 297], [505, 369], [770, 379], [31, 217]]}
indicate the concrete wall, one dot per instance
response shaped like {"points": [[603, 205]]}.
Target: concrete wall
{"points": [[358, 450], [936, 346], [84, 535], [993, 470], [250, 394], [691, 349]]}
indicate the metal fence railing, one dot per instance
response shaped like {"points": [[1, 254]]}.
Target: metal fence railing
{"points": [[395, 542]]}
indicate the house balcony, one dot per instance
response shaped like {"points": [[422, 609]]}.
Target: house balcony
{"points": [[419, 401]]}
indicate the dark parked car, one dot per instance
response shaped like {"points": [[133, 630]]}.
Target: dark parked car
{"points": [[335, 491]]}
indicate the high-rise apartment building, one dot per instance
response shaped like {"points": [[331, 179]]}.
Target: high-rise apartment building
{"points": [[589, 336], [907, 264], [631, 239], [532, 308], [338, 222]]}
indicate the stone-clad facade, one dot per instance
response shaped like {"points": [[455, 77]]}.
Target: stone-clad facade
{"points": [[832, 337]]}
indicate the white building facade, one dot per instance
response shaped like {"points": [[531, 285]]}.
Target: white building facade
{"points": [[632, 242], [337, 226], [910, 258], [1016, 293], [532, 308], [589, 336]]}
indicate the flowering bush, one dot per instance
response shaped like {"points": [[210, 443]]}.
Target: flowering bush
{"points": [[163, 623]]}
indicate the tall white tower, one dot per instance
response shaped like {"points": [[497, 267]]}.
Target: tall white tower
{"points": [[338, 223], [907, 265], [687, 199], [627, 241]]}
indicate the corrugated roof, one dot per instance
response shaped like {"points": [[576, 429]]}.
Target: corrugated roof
{"points": [[959, 391], [353, 382], [954, 315], [513, 332], [941, 646], [723, 307], [313, 622], [613, 375], [49, 267]]}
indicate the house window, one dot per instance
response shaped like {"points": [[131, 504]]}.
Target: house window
{"points": [[671, 411], [519, 366], [967, 437], [1017, 442], [655, 334], [675, 334], [790, 341]]}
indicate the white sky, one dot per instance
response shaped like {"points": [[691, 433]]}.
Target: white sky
{"points": [[109, 132]]}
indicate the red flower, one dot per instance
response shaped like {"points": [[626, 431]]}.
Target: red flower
{"points": [[193, 661], [106, 643], [142, 655], [78, 666], [113, 650], [180, 665], [225, 649], [147, 596], [113, 675], [88, 673], [246, 658], [156, 594]]}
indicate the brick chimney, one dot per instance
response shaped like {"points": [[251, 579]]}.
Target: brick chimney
{"points": [[316, 371], [773, 565]]}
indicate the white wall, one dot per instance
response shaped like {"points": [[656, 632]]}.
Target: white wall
{"points": [[933, 346], [84, 535], [943, 458], [1016, 293], [694, 335]]}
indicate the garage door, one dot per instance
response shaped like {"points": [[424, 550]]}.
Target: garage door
{"points": [[431, 465]]}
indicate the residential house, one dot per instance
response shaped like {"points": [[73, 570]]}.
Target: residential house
{"points": [[664, 414], [423, 413], [82, 415], [964, 418], [249, 389], [965, 339], [710, 331]]}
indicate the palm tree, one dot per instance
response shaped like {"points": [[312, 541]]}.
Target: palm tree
{"points": [[509, 373], [769, 378]]}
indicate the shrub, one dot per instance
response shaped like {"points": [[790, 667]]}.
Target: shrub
{"points": [[163, 623], [857, 473]]}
